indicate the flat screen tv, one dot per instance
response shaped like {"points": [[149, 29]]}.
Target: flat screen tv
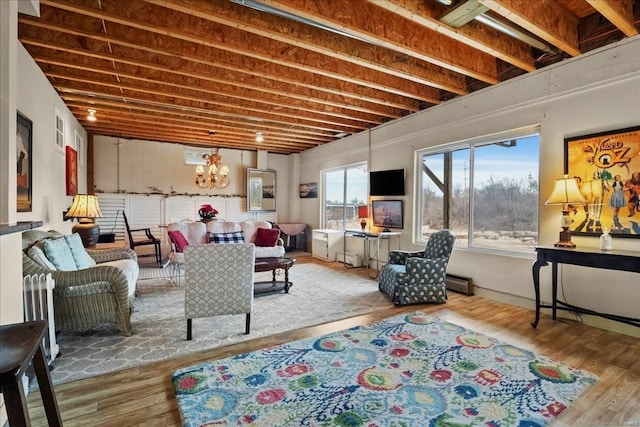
{"points": [[386, 183]]}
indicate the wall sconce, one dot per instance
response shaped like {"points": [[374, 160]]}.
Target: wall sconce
{"points": [[218, 176], [85, 207], [92, 115], [259, 137], [565, 192]]}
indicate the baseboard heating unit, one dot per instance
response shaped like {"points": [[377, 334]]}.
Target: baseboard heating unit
{"points": [[355, 260], [460, 284], [38, 305]]}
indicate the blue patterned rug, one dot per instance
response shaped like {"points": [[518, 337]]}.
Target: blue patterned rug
{"points": [[406, 370]]}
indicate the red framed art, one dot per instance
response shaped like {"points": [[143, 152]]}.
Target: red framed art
{"points": [[72, 171]]}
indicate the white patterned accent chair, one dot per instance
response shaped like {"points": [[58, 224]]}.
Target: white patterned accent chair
{"points": [[415, 277], [218, 281]]}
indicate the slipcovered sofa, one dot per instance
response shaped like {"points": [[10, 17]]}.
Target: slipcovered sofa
{"points": [[92, 287], [196, 233]]}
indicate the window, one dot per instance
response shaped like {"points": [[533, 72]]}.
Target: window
{"points": [[344, 189], [485, 191]]}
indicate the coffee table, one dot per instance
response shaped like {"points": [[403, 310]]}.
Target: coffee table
{"points": [[273, 264]]}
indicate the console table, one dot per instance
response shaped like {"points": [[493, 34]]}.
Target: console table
{"points": [[367, 238], [587, 257]]}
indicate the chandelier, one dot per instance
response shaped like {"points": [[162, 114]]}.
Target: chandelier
{"points": [[218, 176]]}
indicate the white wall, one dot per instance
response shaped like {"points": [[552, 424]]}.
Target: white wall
{"points": [[595, 92]]}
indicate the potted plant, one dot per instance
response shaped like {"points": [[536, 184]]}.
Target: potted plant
{"points": [[207, 213]]}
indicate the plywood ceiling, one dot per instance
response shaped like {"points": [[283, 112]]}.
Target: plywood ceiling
{"points": [[302, 72]]}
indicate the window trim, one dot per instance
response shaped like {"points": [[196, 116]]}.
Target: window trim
{"points": [[469, 143]]}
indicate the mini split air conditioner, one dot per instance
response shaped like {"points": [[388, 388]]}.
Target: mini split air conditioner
{"points": [[195, 156]]}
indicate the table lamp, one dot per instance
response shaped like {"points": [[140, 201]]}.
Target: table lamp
{"points": [[85, 207], [565, 192], [363, 214]]}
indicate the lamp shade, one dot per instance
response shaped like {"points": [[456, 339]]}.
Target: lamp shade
{"points": [[84, 206], [565, 190], [363, 211]]}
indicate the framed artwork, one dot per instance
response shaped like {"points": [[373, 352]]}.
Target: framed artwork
{"points": [[261, 190], [387, 213], [24, 159], [72, 171], [309, 190], [606, 166], [59, 136]]}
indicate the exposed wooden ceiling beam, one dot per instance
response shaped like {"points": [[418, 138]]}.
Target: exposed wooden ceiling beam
{"points": [[619, 13]]}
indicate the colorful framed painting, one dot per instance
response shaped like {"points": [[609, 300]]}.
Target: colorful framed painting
{"points": [[72, 171], [606, 166], [24, 163]]}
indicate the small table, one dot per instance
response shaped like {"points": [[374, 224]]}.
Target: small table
{"points": [[273, 264], [20, 344]]}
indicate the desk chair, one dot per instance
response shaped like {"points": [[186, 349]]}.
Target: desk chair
{"points": [[150, 240]]}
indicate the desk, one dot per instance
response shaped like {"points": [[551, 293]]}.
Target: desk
{"points": [[587, 257], [367, 238]]}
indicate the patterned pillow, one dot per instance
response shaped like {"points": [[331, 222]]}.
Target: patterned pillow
{"points": [[58, 252], [80, 255], [235, 237]]}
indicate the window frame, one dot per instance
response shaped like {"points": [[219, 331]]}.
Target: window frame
{"points": [[344, 169], [470, 144]]}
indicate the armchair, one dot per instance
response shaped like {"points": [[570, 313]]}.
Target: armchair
{"points": [[86, 297], [148, 240], [419, 276], [218, 281]]}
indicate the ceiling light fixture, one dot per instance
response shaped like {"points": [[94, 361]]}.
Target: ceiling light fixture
{"points": [[218, 176], [259, 137], [92, 115]]}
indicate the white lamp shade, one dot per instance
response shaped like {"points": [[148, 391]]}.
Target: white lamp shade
{"points": [[565, 190]]}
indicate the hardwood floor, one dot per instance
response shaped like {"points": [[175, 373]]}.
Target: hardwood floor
{"points": [[143, 396]]}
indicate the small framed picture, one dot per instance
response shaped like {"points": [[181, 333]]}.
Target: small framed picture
{"points": [[59, 135], [309, 190]]}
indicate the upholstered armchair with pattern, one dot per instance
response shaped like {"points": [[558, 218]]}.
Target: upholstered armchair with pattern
{"points": [[419, 276], [218, 281]]}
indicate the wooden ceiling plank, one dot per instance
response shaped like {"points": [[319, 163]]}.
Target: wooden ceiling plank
{"points": [[220, 107], [619, 13], [202, 89], [546, 19], [142, 41], [368, 21], [186, 28], [474, 34], [321, 41]]}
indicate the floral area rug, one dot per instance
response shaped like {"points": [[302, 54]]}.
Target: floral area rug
{"points": [[407, 370]]}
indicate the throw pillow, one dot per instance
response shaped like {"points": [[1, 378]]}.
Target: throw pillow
{"points": [[36, 253], [80, 255], [267, 237], [58, 252], [178, 239], [235, 237]]}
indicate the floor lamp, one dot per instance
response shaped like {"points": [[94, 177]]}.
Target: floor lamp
{"points": [[85, 207]]}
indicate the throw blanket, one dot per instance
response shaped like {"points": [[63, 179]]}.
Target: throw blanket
{"points": [[407, 370]]}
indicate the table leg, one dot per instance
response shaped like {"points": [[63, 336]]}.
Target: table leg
{"points": [[535, 269], [46, 388], [286, 279], [554, 288]]}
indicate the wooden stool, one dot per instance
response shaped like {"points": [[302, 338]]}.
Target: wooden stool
{"points": [[21, 343]]}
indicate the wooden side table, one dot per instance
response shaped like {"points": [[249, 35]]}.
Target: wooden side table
{"points": [[20, 343]]}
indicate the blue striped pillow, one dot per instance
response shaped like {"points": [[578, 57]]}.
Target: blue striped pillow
{"points": [[235, 237]]}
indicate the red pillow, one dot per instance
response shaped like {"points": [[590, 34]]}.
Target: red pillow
{"points": [[177, 238], [267, 236]]}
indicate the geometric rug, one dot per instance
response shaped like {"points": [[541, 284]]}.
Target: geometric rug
{"points": [[407, 370], [319, 295]]}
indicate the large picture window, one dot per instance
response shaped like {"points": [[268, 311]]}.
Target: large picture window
{"points": [[343, 190], [485, 191]]}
